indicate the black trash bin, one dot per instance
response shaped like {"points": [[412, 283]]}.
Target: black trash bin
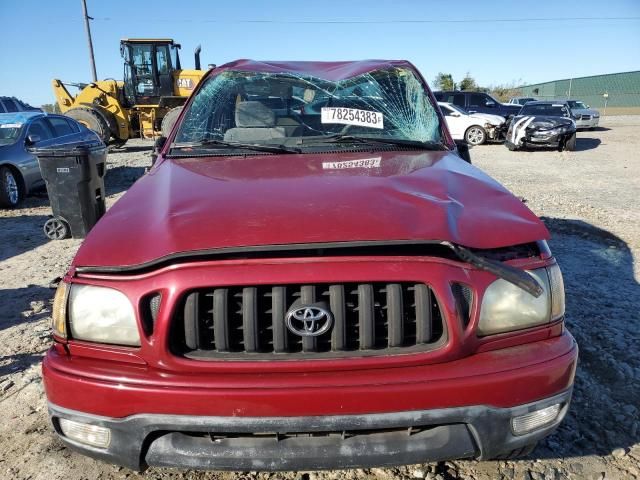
{"points": [[74, 174]]}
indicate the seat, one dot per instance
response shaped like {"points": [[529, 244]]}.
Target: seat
{"points": [[292, 128], [254, 122]]}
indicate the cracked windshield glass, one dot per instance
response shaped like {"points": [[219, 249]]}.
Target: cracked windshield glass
{"points": [[285, 109]]}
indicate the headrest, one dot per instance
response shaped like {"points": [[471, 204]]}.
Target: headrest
{"points": [[254, 114]]}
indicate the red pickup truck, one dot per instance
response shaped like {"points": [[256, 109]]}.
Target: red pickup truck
{"points": [[310, 277]]}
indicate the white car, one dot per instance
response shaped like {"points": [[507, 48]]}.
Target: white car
{"points": [[475, 128]]}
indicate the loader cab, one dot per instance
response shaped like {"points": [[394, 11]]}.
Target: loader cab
{"points": [[148, 69]]}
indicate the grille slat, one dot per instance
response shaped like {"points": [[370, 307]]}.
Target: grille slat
{"points": [[339, 332], [248, 321], [220, 325], [191, 321], [423, 313], [278, 312], [366, 316], [394, 314]]}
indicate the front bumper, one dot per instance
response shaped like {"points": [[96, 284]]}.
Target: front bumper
{"points": [[457, 409], [311, 443], [591, 123], [542, 138], [495, 132]]}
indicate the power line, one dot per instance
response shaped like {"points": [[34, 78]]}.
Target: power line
{"points": [[379, 22]]}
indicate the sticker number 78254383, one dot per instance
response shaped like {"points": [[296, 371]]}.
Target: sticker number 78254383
{"points": [[352, 116]]}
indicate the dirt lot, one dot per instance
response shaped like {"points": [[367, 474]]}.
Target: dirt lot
{"points": [[588, 199]]}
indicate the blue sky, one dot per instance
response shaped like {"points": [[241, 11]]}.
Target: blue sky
{"points": [[45, 39]]}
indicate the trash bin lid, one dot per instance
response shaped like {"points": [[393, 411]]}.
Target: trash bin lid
{"points": [[67, 149]]}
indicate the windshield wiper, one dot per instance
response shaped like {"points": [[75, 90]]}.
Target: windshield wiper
{"points": [[246, 146], [341, 138]]}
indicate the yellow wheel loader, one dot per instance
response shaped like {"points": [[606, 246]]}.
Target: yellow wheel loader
{"points": [[145, 104]]}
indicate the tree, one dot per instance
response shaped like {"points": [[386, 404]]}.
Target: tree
{"points": [[51, 108], [468, 83], [444, 81], [505, 91]]}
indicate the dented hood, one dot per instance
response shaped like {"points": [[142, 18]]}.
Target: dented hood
{"points": [[191, 204]]}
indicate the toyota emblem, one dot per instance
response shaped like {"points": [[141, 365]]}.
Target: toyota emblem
{"points": [[307, 321]]}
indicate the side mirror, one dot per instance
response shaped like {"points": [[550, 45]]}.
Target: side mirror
{"points": [[33, 139], [157, 146], [463, 150], [588, 106], [454, 114]]}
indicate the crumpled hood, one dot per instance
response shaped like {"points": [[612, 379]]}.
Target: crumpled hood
{"points": [[554, 121], [196, 204]]}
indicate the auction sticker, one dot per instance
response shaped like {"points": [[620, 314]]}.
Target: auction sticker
{"points": [[362, 163], [11, 125], [352, 116]]}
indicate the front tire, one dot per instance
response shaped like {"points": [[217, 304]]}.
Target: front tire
{"points": [[570, 144], [11, 190], [92, 120], [169, 120], [475, 135]]}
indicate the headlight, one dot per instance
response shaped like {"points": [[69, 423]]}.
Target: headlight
{"points": [[104, 315], [556, 283], [506, 307], [59, 314]]}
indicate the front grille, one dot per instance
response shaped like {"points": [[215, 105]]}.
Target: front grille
{"points": [[586, 117], [250, 321]]}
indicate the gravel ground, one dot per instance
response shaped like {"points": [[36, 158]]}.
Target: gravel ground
{"points": [[588, 199]]}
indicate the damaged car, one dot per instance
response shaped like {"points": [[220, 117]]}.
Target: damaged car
{"points": [[476, 128], [542, 124], [585, 116], [310, 277]]}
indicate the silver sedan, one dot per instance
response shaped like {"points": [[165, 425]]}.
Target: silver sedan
{"points": [[585, 116], [19, 170]]}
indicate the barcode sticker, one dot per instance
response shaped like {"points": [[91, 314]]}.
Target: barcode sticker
{"points": [[362, 163]]}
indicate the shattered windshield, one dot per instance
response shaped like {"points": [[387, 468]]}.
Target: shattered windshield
{"points": [[578, 105], [556, 110], [255, 108]]}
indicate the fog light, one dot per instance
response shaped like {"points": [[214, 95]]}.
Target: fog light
{"points": [[531, 421], [84, 433]]}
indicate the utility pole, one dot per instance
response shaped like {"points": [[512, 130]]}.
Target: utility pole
{"points": [[88, 30]]}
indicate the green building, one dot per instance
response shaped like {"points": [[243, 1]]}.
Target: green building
{"points": [[612, 94]]}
